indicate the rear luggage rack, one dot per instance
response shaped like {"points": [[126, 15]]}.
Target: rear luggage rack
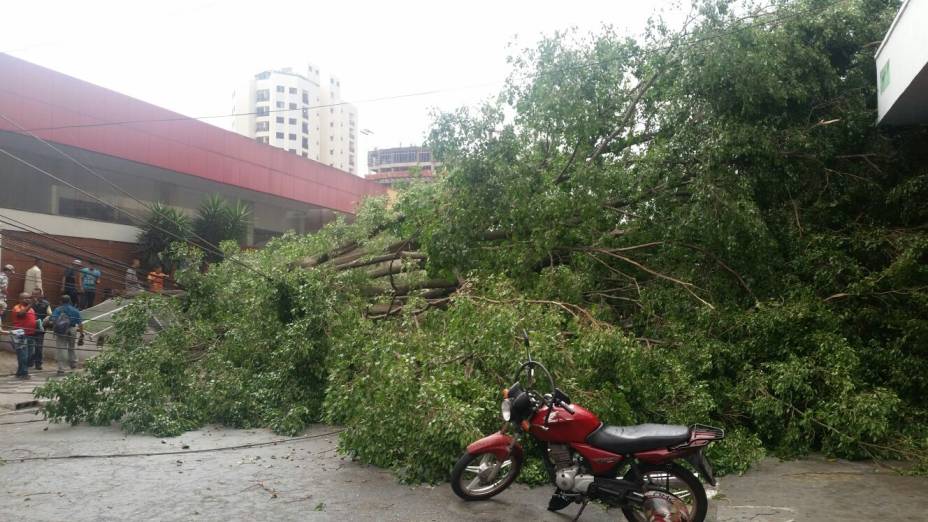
{"points": [[702, 429]]}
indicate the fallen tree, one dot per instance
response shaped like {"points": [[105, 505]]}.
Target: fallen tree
{"points": [[701, 226]]}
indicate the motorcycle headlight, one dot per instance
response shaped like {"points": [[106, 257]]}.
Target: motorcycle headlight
{"points": [[506, 409]]}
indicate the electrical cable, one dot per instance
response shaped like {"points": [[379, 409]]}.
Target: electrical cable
{"points": [[181, 452], [19, 224], [269, 111], [104, 179], [126, 212], [27, 243], [35, 230], [775, 21], [216, 249], [23, 248]]}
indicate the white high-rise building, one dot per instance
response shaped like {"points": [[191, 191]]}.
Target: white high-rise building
{"points": [[299, 113]]}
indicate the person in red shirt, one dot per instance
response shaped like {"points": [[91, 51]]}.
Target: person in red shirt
{"points": [[22, 333]]}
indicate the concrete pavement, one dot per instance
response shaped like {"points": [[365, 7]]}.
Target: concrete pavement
{"points": [[56, 472]]}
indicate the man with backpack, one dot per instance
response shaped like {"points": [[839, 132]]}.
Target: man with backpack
{"points": [[69, 282], [66, 322]]}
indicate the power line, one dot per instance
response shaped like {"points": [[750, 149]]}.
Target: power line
{"points": [[22, 249], [181, 452], [105, 180], [774, 21], [107, 272], [215, 248], [126, 212], [35, 230], [270, 111]]}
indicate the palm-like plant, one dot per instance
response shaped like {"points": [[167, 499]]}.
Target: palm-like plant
{"points": [[165, 225], [217, 220]]}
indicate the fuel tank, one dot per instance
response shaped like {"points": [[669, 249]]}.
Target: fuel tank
{"points": [[564, 427]]}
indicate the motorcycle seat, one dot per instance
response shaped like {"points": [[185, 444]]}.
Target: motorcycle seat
{"points": [[632, 439]]}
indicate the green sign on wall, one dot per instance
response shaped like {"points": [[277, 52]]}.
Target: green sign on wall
{"points": [[884, 77]]}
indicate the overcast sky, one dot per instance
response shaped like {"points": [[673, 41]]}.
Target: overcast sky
{"points": [[189, 56]]}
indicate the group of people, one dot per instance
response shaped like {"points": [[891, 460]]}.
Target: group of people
{"points": [[31, 318], [80, 283], [155, 279]]}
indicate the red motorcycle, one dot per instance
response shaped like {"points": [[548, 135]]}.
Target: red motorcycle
{"points": [[635, 468]]}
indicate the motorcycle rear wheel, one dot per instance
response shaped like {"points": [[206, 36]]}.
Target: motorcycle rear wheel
{"points": [[674, 479], [473, 477]]}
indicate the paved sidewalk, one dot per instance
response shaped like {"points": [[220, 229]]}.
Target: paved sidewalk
{"points": [[16, 394]]}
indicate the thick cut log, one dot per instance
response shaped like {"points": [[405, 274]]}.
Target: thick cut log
{"points": [[379, 259], [404, 289], [349, 256], [385, 309], [393, 269], [312, 261]]}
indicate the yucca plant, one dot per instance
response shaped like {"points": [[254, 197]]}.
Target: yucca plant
{"points": [[218, 220], [165, 225]]}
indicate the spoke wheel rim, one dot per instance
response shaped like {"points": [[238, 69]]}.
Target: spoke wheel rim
{"points": [[668, 483], [485, 473]]}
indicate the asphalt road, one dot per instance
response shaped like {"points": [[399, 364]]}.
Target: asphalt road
{"points": [[84, 473], [192, 478]]}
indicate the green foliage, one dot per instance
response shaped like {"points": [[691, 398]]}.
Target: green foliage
{"points": [[218, 220], [164, 226], [742, 247]]}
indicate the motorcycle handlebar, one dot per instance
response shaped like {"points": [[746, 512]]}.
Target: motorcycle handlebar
{"points": [[567, 407]]}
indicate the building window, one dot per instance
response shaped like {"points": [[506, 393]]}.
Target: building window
{"points": [[280, 119], [331, 124], [279, 105], [293, 151], [292, 136], [305, 154], [292, 106], [261, 139], [280, 135], [331, 152], [261, 111], [261, 126], [292, 121], [425, 156], [305, 128], [262, 95], [305, 97], [292, 90], [305, 143], [280, 88], [331, 138]]}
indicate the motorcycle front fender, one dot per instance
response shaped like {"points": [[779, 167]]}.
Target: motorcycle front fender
{"points": [[499, 444]]}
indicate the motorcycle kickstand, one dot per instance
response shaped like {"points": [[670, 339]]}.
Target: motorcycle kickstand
{"points": [[582, 507]]}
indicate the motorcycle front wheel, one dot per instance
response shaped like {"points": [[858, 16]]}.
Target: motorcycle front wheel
{"points": [[674, 479], [481, 476]]}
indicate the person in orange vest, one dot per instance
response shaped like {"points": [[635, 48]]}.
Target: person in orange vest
{"points": [[156, 280]]}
